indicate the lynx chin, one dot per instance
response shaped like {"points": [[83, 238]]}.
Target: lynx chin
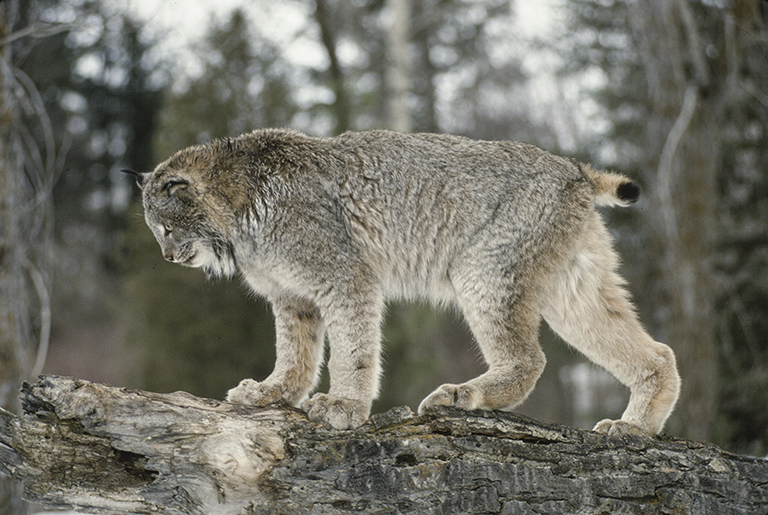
{"points": [[328, 229]]}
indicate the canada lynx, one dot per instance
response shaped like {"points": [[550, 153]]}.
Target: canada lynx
{"points": [[327, 229]]}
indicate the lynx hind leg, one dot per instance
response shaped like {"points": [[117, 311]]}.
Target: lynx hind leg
{"points": [[589, 308], [505, 325]]}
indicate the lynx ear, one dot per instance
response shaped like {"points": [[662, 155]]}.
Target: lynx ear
{"points": [[141, 178]]}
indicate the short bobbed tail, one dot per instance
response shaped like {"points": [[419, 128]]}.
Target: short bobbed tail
{"points": [[611, 189]]}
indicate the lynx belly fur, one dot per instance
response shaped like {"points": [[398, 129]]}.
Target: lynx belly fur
{"points": [[328, 229]]}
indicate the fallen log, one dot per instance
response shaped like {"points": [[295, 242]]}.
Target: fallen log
{"points": [[101, 449]]}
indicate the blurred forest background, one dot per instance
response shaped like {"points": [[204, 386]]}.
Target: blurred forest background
{"points": [[674, 93]]}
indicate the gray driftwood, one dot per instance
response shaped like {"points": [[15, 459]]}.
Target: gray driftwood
{"points": [[109, 450]]}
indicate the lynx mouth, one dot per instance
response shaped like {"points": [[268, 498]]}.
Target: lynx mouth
{"points": [[189, 261]]}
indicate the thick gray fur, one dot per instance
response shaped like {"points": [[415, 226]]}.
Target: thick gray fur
{"points": [[328, 229]]}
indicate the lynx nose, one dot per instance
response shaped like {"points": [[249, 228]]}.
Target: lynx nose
{"points": [[169, 256]]}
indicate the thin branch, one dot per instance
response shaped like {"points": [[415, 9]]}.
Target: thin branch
{"points": [[45, 315], [666, 169], [36, 31], [742, 316], [37, 158], [696, 49], [38, 105], [48, 168], [749, 87]]}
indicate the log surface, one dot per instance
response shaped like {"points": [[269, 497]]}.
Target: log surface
{"points": [[102, 449]]}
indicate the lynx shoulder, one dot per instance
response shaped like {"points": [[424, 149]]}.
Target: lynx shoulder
{"points": [[328, 229]]}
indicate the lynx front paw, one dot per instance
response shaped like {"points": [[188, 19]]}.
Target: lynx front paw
{"points": [[464, 396], [254, 393], [619, 427], [337, 412]]}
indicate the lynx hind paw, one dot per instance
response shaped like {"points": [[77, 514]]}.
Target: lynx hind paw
{"points": [[619, 427], [253, 393], [462, 396], [337, 412]]}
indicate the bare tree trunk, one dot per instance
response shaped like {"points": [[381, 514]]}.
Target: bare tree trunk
{"points": [[110, 450], [27, 169], [687, 197], [342, 105], [14, 333], [685, 98], [421, 28], [14, 323], [14, 354], [398, 66]]}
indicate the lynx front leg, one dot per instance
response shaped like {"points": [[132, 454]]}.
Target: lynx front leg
{"points": [[354, 334], [299, 332]]}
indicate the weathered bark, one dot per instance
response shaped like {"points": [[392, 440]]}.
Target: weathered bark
{"points": [[110, 450]]}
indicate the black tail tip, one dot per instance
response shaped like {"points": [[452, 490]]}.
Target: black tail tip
{"points": [[628, 192]]}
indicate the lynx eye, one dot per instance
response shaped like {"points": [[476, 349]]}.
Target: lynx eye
{"points": [[168, 229], [170, 186]]}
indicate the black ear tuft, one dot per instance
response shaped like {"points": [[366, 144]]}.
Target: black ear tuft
{"points": [[628, 192], [141, 178]]}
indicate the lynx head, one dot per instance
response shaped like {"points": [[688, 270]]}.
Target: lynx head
{"points": [[186, 216]]}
